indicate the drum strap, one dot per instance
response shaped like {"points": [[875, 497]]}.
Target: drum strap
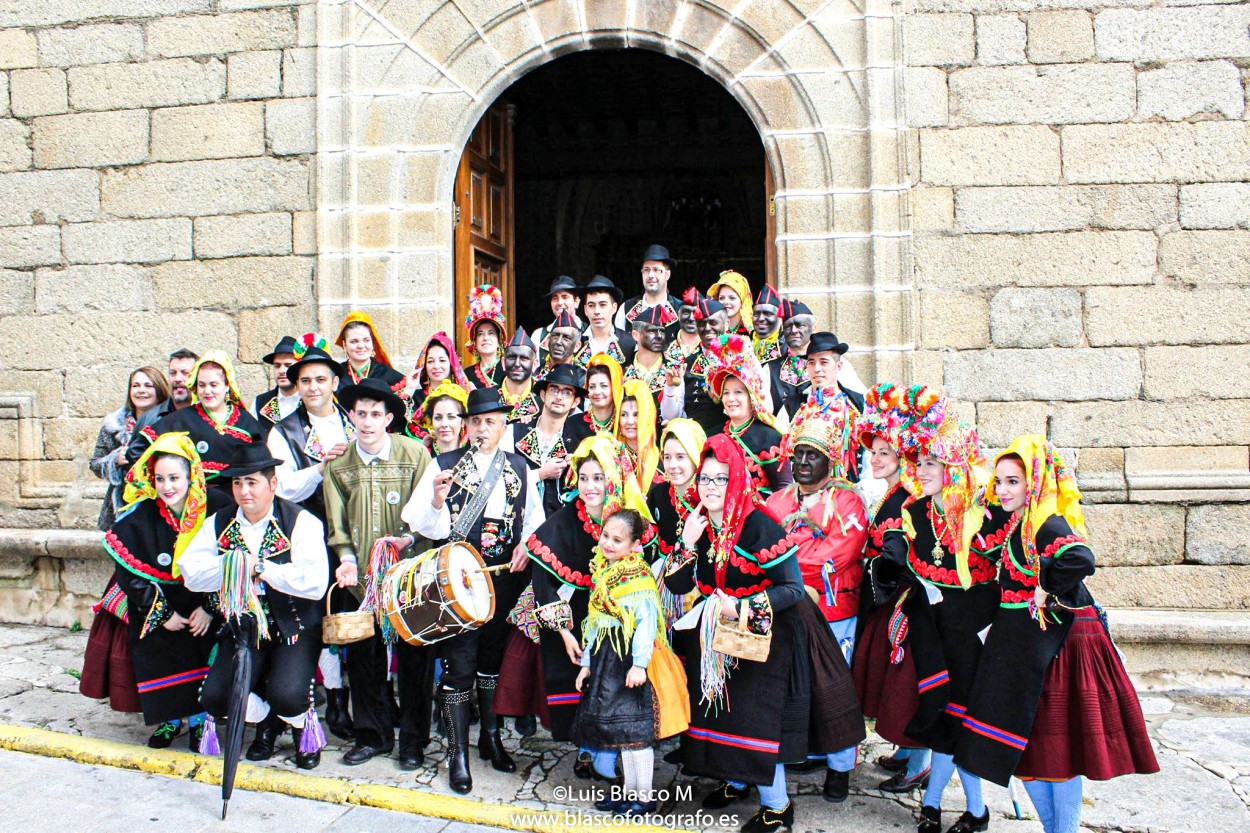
{"points": [[473, 510]]}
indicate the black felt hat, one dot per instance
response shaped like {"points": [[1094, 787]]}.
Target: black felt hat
{"points": [[651, 316], [563, 374], [601, 284], [658, 253], [380, 391], [252, 458], [562, 284], [789, 309], [824, 342], [486, 401], [285, 345], [315, 355]]}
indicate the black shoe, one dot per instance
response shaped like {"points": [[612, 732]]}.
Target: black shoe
{"points": [[526, 726], [360, 753], [724, 795], [304, 760], [584, 766], [891, 764], [930, 820], [164, 735], [197, 735], [456, 717], [489, 743], [673, 757], [267, 732], [638, 808], [611, 805], [837, 786], [968, 823], [411, 757], [338, 715], [810, 765], [767, 821], [900, 783]]}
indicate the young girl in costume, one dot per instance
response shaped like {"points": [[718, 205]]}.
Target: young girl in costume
{"points": [[623, 645], [1051, 701]]}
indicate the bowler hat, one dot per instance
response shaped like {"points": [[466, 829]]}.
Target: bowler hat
{"points": [[486, 401], [825, 342], [601, 284], [562, 374], [562, 284], [285, 345], [380, 391], [658, 253], [252, 458], [315, 355]]}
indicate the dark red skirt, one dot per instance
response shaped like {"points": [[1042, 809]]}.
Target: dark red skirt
{"points": [[887, 692], [1089, 721], [107, 669], [521, 690]]}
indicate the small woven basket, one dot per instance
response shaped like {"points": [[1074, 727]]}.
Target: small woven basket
{"points": [[345, 628], [736, 641]]}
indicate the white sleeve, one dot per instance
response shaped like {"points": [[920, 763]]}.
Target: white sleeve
{"points": [[419, 512], [619, 319], [768, 390], [294, 484], [200, 563], [673, 403], [534, 512], [307, 574]]}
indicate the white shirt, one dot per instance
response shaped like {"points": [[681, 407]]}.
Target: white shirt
{"points": [[421, 516], [306, 576], [296, 484], [383, 454]]}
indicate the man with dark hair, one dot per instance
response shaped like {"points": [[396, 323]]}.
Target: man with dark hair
{"points": [[519, 358], [657, 269], [789, 373], [547, 444], [280, 550], [181, 361], [600, 299], [563, 298], [272, 406], [685, 385], [563, 341]]}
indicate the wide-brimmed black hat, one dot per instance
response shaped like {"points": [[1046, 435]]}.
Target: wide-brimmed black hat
{"points": [[380, 391], [601, 284], [486, 401], [824, 342], [315, 355], [251, 458], [563, 374], [285, 345], [658, 252], [562, 284]]}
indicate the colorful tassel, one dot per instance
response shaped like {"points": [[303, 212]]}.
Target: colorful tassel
{"points": [[714, 667], [898, 632], [209, 743], [313, 737], [238, 592], [382, 556]]}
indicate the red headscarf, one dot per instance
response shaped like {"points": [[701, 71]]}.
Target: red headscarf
{"points": [[457, 372], [739, 500]]}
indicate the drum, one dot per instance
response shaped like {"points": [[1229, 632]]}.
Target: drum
{"points": [[438, 594]]}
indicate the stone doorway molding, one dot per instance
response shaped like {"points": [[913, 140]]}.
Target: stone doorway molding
{"points": [[401, 83]]}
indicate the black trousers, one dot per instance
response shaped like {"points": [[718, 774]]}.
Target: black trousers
{"points": [[282, 675], [481, 651], [371, 709]]}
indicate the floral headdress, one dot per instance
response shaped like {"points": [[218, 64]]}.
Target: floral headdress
{"points": [[443, 340], [648, 453], [379, 352], [1052, 490], [828, 422], [622, 490], [485, 304], [219, 358], [741, 287], [734, 355], [141, 485], [900, 416]]}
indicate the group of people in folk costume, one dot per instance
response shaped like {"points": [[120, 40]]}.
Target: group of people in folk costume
{"points": [[702, 527]]}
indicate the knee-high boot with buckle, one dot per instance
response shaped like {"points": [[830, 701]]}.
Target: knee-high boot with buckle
{"points": [[489, 744], [456, 718]]}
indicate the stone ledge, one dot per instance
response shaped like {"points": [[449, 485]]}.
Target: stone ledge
{"points": [[52, 543], [1183, 627]]}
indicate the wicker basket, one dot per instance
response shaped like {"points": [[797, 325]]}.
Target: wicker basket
{"points": [[345, 628], [737, 641]]}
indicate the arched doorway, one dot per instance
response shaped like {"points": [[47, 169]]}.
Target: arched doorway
{"points": [[611, 151]]}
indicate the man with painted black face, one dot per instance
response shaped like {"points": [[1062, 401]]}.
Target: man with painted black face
{"points": [[649, 360], [685, 385], [789, 373], [563, 341], [486, 497], [825, 514], [519, 358], [766, 323], [686, 336]]}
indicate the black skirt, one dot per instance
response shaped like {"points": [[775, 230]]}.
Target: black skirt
{"points": [[611, 716]]}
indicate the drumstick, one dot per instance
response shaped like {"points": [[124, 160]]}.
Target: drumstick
{"points": [[494, 569]]}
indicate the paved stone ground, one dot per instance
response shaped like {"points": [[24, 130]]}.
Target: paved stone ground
{"points": [[1203, 746]]}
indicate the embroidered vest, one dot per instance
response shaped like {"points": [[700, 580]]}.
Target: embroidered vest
{"points": [[494, 538]]}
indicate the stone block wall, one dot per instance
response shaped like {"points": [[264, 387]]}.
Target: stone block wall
{"points": [[156, 191], [1086, 272]]}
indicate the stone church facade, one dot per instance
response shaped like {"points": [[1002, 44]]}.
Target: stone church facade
{"points": [[960, 187]]}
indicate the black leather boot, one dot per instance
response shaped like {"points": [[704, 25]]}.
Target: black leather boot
{"points": [[338, 714], [267, 733], [304, 760], [489, 744], [456, 718]]}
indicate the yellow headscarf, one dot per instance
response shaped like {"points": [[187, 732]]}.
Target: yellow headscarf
{"points": [[379, 352], [445, 388], [648, 453], [1052, 489], [691, 436], [141, 485], [622, 492], [616, 374], [217, 357], [742, 287]]}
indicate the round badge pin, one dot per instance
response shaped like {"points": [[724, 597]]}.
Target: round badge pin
{"points": [[164, 559], [202, 447], [392, 497]]}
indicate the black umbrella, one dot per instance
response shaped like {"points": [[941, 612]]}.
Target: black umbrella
{"points": [[243, 632]]}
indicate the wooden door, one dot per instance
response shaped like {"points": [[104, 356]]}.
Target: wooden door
{"points": [[484, 227]]}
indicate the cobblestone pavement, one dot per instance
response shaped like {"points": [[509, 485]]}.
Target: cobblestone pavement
{"points": [[1203, 746]]}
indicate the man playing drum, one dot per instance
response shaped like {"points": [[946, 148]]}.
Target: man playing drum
{"points": [[365, 490], [487, 498]]}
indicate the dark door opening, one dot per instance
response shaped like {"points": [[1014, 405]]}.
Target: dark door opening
{"points": [[618, 149]]}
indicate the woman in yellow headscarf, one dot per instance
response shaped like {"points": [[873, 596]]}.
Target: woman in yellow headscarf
{"points": [[168, 625], [1048, 655], [636, 431], [604, 393], [439, 422], [733, 290], [366, 357]]}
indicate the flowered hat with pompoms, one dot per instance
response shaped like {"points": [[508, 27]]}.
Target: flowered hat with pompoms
{"points": [[829, 423], [485, 304], [900, 415], [734, 355]]}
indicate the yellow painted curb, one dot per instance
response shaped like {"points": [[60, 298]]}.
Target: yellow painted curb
{"points": [[207, 770]]}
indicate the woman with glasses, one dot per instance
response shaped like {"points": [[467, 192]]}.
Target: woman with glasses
{"points": [[747, 718]]}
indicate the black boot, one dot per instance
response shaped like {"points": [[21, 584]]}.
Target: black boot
{"points": [[267, 732], [489, 744], [837, 786], [456, 718], [338, 715], [526, 725], [766, 820], [304, 760]]}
